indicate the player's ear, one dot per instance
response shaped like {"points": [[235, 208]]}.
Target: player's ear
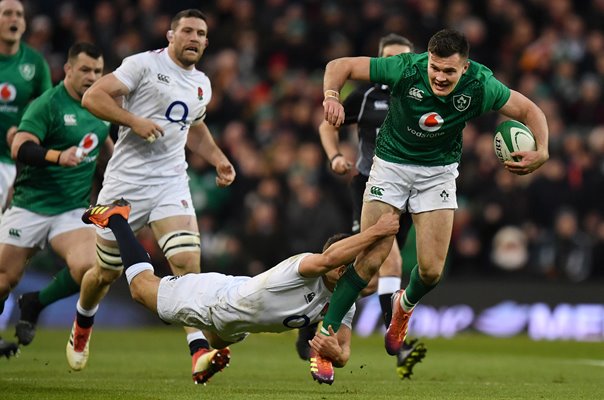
{"points": [[207, 42], [170, 35]]}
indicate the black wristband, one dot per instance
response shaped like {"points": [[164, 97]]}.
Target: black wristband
{"points": [[334, 157], [31, 153]]}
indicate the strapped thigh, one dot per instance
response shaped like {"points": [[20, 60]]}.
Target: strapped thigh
{"points": [[179, 241], [109, 257]]}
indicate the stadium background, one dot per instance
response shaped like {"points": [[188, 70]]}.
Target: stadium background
{"points": [[527, 252]]}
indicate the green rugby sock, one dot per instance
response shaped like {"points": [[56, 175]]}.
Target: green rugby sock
{"points": [[344, 295], [62, 285], [415, 290]]}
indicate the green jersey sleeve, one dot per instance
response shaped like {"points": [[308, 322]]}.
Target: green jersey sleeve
{"points": [[388, 70], [496, 94], [38, 117]]}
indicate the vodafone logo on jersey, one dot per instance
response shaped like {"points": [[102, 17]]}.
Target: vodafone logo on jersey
{"points": [[7, 92], [431, 121], [89, 142]]}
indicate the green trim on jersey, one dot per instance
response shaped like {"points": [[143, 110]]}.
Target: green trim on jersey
{"points": [[59, 121], [422, 128], [23, 77]]}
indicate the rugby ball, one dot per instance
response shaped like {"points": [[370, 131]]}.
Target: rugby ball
{"points": [[511, 136]]}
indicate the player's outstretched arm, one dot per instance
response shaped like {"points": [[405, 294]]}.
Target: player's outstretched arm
{"points": [[100, 100], [344, 251], [201, 142], [336, 346], [519, 107]]}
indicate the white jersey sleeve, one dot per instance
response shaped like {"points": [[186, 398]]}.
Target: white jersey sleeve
{"points": [[131, 71], [172, 97], [276, 300]]}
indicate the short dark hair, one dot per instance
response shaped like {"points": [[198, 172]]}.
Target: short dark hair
{"points": [[447, 42], [335, 238], [393, 38], [89, 49], [190, 13]]}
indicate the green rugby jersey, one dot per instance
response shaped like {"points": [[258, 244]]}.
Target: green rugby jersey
{"points": [[59, 121], [23, 77], [422, 128]]}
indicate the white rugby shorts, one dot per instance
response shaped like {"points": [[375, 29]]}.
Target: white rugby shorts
{"points": [[198, 300], [412, 188], [149, 202], [23, 228]]}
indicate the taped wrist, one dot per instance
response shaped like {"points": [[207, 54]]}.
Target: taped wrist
{"points": [[31, 153]]}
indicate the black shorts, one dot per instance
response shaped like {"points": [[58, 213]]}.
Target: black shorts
{"points": [[357, 188]]}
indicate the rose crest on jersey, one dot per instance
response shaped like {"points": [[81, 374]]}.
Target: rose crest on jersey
{"points": [[27, 71], [461, 102], [431, 121]]}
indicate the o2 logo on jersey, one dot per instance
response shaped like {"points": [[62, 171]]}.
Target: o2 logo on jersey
{"points": [[7, 92], [178, 112], [89, 142], [431, 122]]}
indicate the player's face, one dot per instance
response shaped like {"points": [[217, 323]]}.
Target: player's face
{"points": [[445, 72], [189, 40], [395, 49], [82, 72], [12, 21]]}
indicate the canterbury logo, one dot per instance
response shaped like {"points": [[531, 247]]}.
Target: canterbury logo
{"points": [[416, 93], [376, 191], [14, 232], [163, 78], [99, 210]]}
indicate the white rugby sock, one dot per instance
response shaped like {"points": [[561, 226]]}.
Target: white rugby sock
{"points": [[87, 313], [194, 336], [388, 284]]}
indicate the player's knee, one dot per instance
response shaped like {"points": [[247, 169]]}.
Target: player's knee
{"points": [[430, 276], [7, 283], [182, 249], [184, 263], [77, 269], [108, 276]]}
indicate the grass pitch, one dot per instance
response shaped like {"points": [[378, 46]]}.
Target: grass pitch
{"points": [[154, 364]]}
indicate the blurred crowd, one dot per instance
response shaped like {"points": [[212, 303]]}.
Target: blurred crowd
{"points": [[266, 61]]}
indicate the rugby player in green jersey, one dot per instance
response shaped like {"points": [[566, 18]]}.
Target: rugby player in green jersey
{"points": [[24, 75], [418, 149], [58, 142]]}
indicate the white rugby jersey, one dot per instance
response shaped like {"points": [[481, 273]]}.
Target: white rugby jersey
{"points": [[275, 301], [173, 98]]}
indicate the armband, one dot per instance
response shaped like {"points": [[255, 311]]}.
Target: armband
{"points": [[31, 153]]}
